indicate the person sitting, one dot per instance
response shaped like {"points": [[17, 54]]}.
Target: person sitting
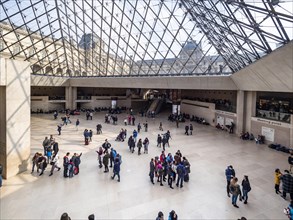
{"points": [[260, 139], [251, 137]]}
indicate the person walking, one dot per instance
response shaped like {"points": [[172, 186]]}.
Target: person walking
{"points": [[77, 124], [170, 175], [46, 144], [90, 135], [152, 171], [235, 191], [55, 147], [146, 145], [159, 141], [172, 215], [134, 135], [160, 216], [59, 128], [278, 175], [287, 181], [145, 126], [54, 163], [191, 129], [290, 160], [229, 173], [186, 130], [138, 127], [100, 153], [35, 160], [139, 146], [161, 126], [116, 169], [160, 171], [246, 188]]}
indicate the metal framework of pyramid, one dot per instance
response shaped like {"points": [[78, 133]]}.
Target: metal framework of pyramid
{"points": [[79, 38]]}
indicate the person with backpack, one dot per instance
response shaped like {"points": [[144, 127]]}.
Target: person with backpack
{"points": [[246, 188], [229, 173], [235, 191], [76, 163], [289, 210], [287, 180], [181, 173], [112, 156], [116, 169], [187, 168], [160, 216], [172, 215]]}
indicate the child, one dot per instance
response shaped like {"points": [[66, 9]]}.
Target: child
{"points": [[278, 175]]}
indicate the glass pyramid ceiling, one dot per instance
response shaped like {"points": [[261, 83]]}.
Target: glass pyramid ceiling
{"points": [[142, 37]]}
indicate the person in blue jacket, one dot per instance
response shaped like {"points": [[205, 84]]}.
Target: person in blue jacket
{"points": [[230, 173], [181, 173], [116, 168]]}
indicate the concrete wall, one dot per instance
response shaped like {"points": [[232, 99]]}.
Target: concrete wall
{"points": [[199, 109], [16, 99], [49, 81], [98, 101], [227, 117], [282, 130], [174, 82], [3, 125], [273, 72], [47, 91], [42, 102], [84, 91]]}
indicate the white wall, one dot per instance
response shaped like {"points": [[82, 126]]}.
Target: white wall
{"points": [[193, 108]]}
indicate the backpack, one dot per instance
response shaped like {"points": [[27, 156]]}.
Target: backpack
{"points": [[232, 189], [287, 211]]}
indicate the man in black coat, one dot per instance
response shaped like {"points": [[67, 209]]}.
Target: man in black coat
{"points": [[287, 180], [55, 147], [186, 129], [152, 170]]}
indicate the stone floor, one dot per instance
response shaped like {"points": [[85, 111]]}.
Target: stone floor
{"points": [[28, 196]]}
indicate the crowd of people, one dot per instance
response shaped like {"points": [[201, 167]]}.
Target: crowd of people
{"points": [[234, 188], [169, 168], [164, 169]]}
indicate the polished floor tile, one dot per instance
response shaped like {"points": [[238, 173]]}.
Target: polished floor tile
{"points": [[28, 196]]}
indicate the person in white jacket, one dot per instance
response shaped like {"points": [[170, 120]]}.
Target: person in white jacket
{"points": [[54, 163]]}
